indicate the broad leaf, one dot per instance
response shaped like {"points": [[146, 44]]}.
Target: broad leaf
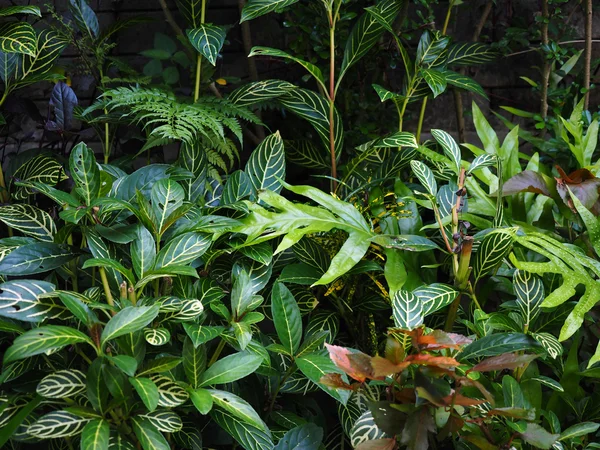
{"points": [[147, 390], [303, 437], [148, 435], [85, 172], [42, 340], [436, 81], [194, 361], [287, 317], [266, 166], [63, 100], [18, 37], [530, 294], [29, 220], [311, 68], [450, 147], [463, 82], [128, 320], [143, 251], [167, 196], [170, 393], [425, 176], [165, 421], [95, 435], [470, 53], [407, 309], [57, 424], [435, 296], [85, 17], [493, 249], [208, 40], [257, 8], [62, 384], [315, 366], [237, 407], [230, 368], [249, 437], [21, 300], [183, 249], [497, 344]]}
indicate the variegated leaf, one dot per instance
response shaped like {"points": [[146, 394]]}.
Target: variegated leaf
{"points": [[436, 81], [237, 407], [208, 40], [435, 296], [266, 166], [62, 384], [20, 299], [492, 250], [552, 346], [306, 154], [184, 311], [18, 37], [191, 10], [463, 82], [157, 336], [530, 294], [365, 429], [165, 421], [170, 394], [183, 249], [200, 334], [58, 424], [26, 9], [260, 91], [407, 309], [470, 53], [248, 436], [41, 168], [257, 8], [450, 147], [425, 176], [323, 321], [29, 220], [311, 68], [96, 435], [485, 160]]}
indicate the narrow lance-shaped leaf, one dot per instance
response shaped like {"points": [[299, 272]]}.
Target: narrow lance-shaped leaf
{"points": [[449, 146], [85, 17], [230, 368], [35, 258], [287, 317], [128, 320], [425, 176], [257, 8]]}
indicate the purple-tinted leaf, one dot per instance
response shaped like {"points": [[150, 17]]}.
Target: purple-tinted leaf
{"points": [[63, 99], [527, 181]]}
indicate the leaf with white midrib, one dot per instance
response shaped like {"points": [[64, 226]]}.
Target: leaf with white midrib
{"points": [[237, 407], [57, 424], [530, 294], [266, 165], [18, 37], [29, 220], [494, 247], [407, 310], [95, 435], [62, 384], [425, 176], [230, 368], [208, 40], [257, 8], [148, 435]]}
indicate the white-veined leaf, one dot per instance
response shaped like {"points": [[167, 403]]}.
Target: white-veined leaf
{"points": [[425, 176], [450, 147], [208, 40], [257, 8], [18, 37], [29, 220], [157, 336], [57, 424], [266, 166], [62, 384], [164, 421], [407, 309]]}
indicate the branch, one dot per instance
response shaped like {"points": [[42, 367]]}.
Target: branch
{"points": [[587, 71]]}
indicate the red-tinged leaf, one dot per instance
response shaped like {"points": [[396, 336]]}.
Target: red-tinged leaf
{"points": [[583, 185], [405, 396], [527, 181], [417, 427], [383, 367], [335, 380], [354, 363], [394, 351], [464, 381], [378, 444], [538, 436], [438, 340], [461, 400], [423, 359], [514, 413], [453, 425], [576, 177], [479, 441], [502, 362]]}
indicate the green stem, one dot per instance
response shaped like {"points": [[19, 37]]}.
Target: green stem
{"points": [[282, 381], [334, 182], [217, 353], [421, 119], [109, 297], [199, 57], [73, 265]]}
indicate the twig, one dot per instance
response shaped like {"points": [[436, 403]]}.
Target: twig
{"points": [[546, 68], [176, 28]]}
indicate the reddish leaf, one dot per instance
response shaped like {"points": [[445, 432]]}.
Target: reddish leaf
{"points": [[453, 425], [405, 396], [394, 350], [504, 361], [424, 359], [583, 185], [440, 339], [461, 400], [479, 441], [356, 364], [335, 380], [417, 427], [464, 381], [527, 181], [378, 444], [383, 367], [515, 413]]}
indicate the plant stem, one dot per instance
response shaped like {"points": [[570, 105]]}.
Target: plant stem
{"points": [[217, 353], [73, 265], [282, 381], [421, 119], [334, 182], [199, 57], [587, 71], [109, 297]]}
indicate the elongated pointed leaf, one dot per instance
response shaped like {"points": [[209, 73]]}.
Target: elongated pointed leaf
{"points": [[315, 366], [463, 82], [470, 53], [12, 10], [230, 368], [266, 166], [194, 361], [143, 251], [148, 435], [62, 384], [249, 437], [44, 339], [237, 407], [496, 344], [165, 421], [191, 10], [449, 146], [435, 296], [170, 394], [35, 258], [493, 249], [41, 168], [257, 8], [530, 294], [85, 172], [208, 40], [425, 176], [57, 424], [182, 249], [287, 318], [407, 309], [147, 390], [85, 17], [20, 300], [436, 81], [129, 320], [166, 196], [311, 68]]}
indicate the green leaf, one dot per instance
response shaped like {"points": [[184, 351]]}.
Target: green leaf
{"points": [[365, 429], [95, 435], [496, 344], [159, 365], [249, 437], [148, 435], [302, 274], [538, 436], [18, 37], [165, 421], [22, 300], [170, 394], [257, 8], [463, 82], [237, 407], [432, 49], [9, 428], [303, 437], [192, 158], [183, 249], [96, 392], [57, 424], [85, 18], [591, 222], [407, 309], [436, 81], [287, 318], [273, 52], [85, 172], [147, 390], [39, 173], [260, 91], [42, 340], [305, 153], [530, 294], [367, 32], [230, 368], [194, 361], [470, 54], [486, 133], [105, 262], [266, 166], [202, 400], [208, 40], [157, 336], [35, 258], [425, 176], [201, 334], [191, 10], [512, 393], [578, 430], [238, 187], [315, 366], [399, 139], [435, 296], [29, 220], [450, 147], [143, 251], [12, 10], [549, 382], [166, 196], [492, 251], [62, 384], [127, 364], [128, 320]]}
